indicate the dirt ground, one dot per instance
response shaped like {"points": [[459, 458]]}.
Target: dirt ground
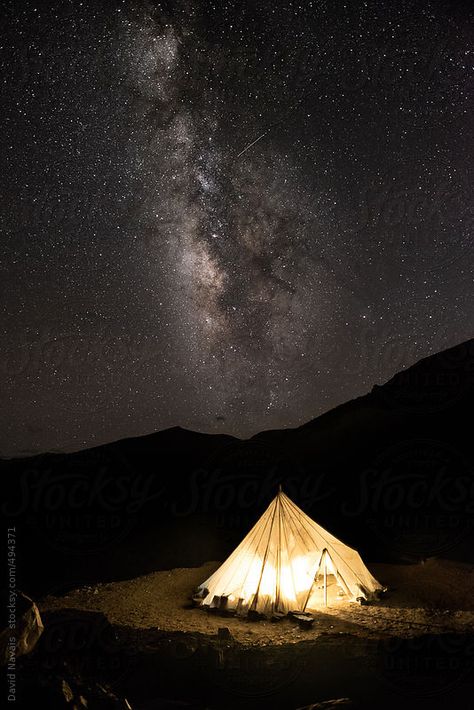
{"points": [[434, 597]]}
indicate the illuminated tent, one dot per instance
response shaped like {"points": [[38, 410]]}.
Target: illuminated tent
{"points": [[287, 562]]}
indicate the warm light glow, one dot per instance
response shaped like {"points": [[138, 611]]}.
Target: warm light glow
{"points": [[293, 578], [283, 566]]}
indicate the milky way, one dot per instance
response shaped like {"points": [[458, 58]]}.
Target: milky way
{"points": [[227, 218]]}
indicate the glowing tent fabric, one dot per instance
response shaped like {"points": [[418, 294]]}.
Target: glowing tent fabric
{"points": [[287, 563]]}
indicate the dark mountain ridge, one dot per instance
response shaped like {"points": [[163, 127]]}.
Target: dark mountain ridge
{"points": [[389, 472]]}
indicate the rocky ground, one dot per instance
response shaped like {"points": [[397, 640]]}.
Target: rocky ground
{"points": [[140, 644], [434, 597]]}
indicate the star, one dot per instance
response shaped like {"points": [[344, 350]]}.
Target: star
{"points": [[226, 218]]}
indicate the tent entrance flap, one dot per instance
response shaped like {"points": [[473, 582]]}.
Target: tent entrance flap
{"points": [[310, 590]]}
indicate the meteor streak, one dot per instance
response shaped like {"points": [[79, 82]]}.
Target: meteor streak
{"points": [[251, 144]]}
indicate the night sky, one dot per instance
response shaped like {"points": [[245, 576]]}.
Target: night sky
{"points": [[226, 216]]}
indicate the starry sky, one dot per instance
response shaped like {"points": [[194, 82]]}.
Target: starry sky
{"points": [[226, 216]]}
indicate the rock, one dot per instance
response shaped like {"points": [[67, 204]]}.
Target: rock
{"points": [[67, 692], [95, 696], [253, 615], [29, 628], [276, 617], [304, 619], [223, 634]]}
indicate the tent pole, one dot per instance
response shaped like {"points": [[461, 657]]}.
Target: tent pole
{"points": [[253, 605], [314, 580], [325, 579]]}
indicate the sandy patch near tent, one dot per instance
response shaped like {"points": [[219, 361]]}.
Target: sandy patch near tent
{"points": [[435, 597]]}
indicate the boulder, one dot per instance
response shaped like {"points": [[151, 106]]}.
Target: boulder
{"points": [[23, 638]]}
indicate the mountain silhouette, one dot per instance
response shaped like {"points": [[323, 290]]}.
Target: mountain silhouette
{"points": [[390, 473]]}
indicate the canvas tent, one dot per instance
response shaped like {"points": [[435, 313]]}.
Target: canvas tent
{"points": [[287, 562]]}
